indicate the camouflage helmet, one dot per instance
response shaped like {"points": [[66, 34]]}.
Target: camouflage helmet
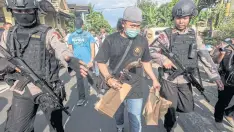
{"points": [[22, 4], [184, 8]]}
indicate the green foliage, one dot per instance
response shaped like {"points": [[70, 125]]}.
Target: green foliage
{"points": [[155, 16], [161, 16], [95, 21], [150, 13], [70, 26], [226, 29]]}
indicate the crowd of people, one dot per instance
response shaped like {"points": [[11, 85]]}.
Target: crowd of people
{"points": [[42, 49]]}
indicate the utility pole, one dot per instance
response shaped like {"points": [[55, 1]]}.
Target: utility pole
{"points": [[228, 7]]}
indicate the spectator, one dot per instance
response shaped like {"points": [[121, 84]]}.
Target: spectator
{"points": [[103, 34], [97, 46], [6, 26], [82, 45]]}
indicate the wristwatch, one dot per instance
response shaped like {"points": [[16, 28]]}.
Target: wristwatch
{"points": [[221, 49], [108, 77]]}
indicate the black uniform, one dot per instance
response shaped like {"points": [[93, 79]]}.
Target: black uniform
{"points": [[40, 48], [226, 71]]}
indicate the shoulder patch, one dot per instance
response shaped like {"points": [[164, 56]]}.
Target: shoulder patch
{"points": [[36, 36], [57, 35]]}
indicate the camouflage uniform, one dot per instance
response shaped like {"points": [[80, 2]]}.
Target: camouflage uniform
{"points": [[179, 91]]}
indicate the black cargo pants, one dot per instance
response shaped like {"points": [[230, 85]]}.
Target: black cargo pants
{"points": [[22, 113], [224, 98], [181, 97]]}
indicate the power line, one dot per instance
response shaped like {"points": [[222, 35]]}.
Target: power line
{"points": [[110, 8]]}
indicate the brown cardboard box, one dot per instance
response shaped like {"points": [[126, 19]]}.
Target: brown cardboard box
{"points": [[111, 101]]}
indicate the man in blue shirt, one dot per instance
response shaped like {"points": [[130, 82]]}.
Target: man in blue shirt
{"points": [[82, 45]]}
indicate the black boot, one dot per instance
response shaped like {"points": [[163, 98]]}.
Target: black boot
{"points": [[169, 129], [229, 111]]}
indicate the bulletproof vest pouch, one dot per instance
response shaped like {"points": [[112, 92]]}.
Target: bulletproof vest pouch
{"points": [[226, 69]]}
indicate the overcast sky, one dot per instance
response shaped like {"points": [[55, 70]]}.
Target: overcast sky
{"points": [[112, 15]]}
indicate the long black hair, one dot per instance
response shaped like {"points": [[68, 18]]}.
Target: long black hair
{"points": [[119, 25]]}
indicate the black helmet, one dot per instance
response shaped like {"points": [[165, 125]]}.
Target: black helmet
{"points": [[184, 8], [24, 19], [22, 4]]}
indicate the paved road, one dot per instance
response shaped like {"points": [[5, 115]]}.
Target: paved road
{"points": [[86, 119]]}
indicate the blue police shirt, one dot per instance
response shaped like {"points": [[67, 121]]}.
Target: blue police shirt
{"points": [[81, 43]]}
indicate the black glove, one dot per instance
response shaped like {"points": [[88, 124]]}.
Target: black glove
{"points": [[6, 66], [74, 64], [46, 102]]}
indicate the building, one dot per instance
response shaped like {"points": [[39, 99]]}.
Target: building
{"points": [[79, 10], [56, 14], [4, 15]]}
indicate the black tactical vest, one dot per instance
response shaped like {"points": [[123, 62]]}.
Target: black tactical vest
{"points": [[180, 44], [30, 45], [226, 68]]}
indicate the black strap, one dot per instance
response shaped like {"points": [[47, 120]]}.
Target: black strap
{"points": [[123, 57]]}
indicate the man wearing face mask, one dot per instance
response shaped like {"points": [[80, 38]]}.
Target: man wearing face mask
{"points": [[82, 44], [41, 48], [113, 50], [179, 40]]}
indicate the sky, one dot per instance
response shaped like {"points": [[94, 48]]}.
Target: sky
{"points": [[111, 15]]}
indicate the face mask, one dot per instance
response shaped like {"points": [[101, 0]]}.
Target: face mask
{"points": [[79, 30], [132, 33], [25, 19]]}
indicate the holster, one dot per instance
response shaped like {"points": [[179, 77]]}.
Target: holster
{"points": [[174, 75], [59, 89], [178, 72]]}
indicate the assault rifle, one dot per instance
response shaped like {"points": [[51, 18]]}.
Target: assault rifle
{"points": [[187, 72], [124, 74], [27, 72]]}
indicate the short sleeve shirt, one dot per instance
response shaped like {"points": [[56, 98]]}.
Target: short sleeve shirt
{"points": [[81, 43], [113, 49]]}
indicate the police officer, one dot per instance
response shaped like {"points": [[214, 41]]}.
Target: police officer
{"points": [[178, 40], [223, 55], [41, 49]]}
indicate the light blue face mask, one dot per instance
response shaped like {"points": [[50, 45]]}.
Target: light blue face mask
{"points": [[131, 33], [79, 30]]}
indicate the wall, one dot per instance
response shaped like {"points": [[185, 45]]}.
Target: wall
{"points": [[8, 17], [49, 19]]}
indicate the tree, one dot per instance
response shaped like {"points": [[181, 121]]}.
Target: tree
{"points": [[161, 16], [156, 16], [95, 21], [70, 26], [150, 13], [202, 4]]}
